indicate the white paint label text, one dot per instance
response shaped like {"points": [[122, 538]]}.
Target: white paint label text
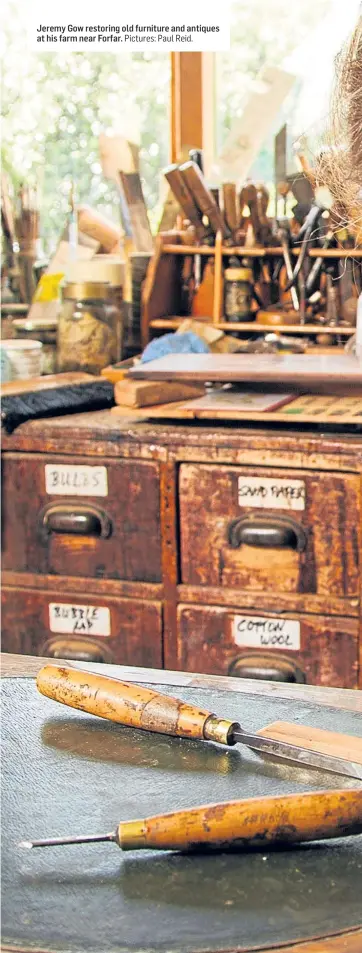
{"points": [[267, 493], [255, 632], [79, 620], [63, 479]]}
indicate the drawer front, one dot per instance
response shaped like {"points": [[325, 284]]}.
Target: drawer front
{"points": [[269, 530], [88, 627], [315, 649], [81, 518]]}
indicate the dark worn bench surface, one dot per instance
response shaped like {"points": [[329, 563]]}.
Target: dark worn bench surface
{"points": [[66, 772]]}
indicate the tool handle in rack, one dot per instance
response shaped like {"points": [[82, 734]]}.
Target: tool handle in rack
{"points": [[132, 705], [257, 822]]}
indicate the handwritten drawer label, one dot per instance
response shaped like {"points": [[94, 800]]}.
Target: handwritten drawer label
{"points": [[253, 631], [264, 492], [83, 620], [64, 479]]}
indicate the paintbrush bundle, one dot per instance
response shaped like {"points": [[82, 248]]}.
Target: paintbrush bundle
{"points": [[20, 228]]}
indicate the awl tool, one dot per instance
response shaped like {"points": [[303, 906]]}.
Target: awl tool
{"points": [[139, 707], [240, 825]]}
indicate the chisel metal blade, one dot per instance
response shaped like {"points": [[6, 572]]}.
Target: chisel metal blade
{"points": [[299, 756]]}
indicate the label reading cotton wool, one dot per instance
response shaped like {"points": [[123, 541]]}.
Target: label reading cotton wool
{"points": [[252, 631]]}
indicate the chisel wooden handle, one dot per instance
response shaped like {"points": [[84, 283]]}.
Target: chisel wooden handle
{"points": [[185, 200], [250, 196], [203, 198], [258, 822], [229, 205], [132, 705]]}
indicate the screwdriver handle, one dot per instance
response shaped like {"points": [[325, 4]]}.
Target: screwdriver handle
{"points": [[132, 705], [256, 822]]}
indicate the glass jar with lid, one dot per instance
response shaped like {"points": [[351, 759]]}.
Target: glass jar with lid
{"points": [[44, 330], [108, 269], [88, 327], [238, 291]]}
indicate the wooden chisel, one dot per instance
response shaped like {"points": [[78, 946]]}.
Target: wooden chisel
{"points": [[186, 201], [139, 707], [203, 198], [229, 206], [256, 822]]}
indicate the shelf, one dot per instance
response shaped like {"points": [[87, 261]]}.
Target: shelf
{"points": [[174, 322], [14, 308], [283, 328], [189, 250], [161, 299], [335, 253], [256, 252]]}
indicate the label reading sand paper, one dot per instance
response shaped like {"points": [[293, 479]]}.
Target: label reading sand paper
{"points": [[255, 632], [65, 479], [79, 620], [267, 493]]}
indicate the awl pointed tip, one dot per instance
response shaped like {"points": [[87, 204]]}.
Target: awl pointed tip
{"points": [[63, 841]]}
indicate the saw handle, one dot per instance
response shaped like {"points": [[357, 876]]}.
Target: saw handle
{"points": [[257, 822], [132, 705]]}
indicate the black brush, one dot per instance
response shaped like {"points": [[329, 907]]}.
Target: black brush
{"points": [[16, 409]]}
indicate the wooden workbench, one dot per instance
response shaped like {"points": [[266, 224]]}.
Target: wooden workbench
{"points": [[17, 671]]}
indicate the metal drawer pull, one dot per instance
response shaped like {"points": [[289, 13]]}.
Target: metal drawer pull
{"points": [[267, 531], [79, 651], [78, 520], [266, 667]]}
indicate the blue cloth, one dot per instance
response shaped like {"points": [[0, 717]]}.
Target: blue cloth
{"points": [[188, 343]]}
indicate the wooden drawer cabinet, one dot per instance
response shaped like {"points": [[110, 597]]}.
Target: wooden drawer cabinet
{"points": [[287, 531], [226, 550], [315, 649], [81, 517], [87, 627]]}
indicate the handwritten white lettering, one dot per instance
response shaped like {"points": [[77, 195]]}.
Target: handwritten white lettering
{"points": [[270, 493], [79, 619], [260, 632], [72, 480]]}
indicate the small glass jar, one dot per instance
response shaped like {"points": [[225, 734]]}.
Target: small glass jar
{"points": [[238, 293], [107, 269], [44, 330], [88, 327]]}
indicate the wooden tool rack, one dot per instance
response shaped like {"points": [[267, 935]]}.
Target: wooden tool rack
{"points": [[162, 287]]}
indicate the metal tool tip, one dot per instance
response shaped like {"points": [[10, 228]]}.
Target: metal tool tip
{"points": [[27, 844]]}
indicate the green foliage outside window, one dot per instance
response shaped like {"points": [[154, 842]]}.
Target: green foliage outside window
{"points": [[55, 105]]}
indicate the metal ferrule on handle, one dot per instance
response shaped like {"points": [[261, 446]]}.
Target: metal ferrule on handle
{"points": [[132, 705]]}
